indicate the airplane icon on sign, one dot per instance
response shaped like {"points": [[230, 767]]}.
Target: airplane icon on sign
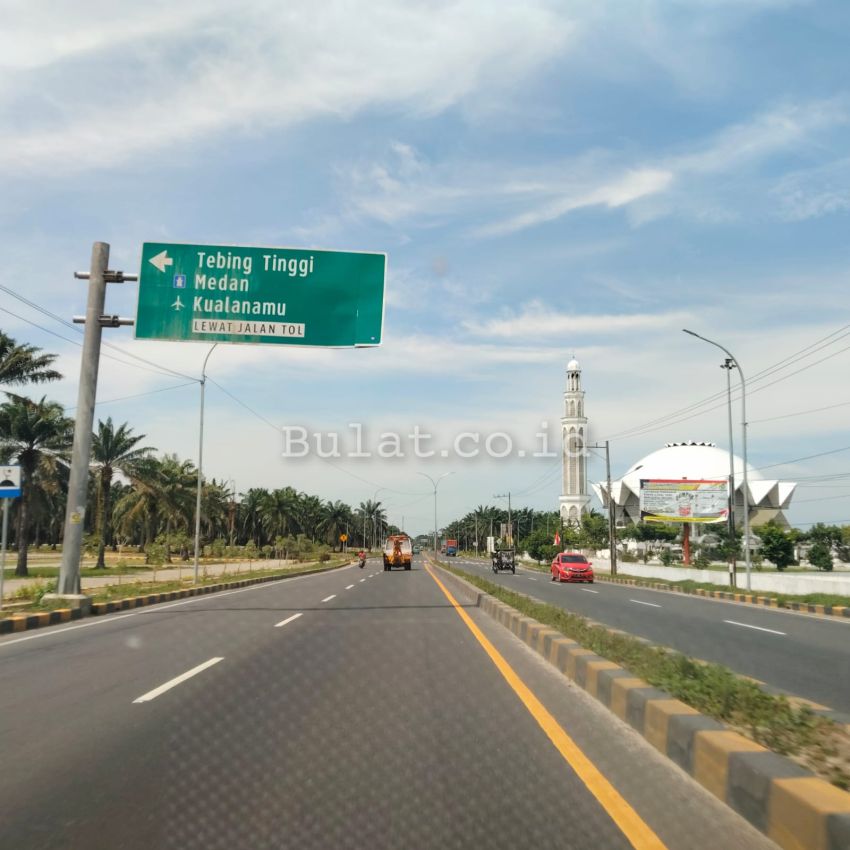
{"points": [[178, 304]]}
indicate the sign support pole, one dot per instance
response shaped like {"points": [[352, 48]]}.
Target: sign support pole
{"points": [[69, 572], [3, 549]]}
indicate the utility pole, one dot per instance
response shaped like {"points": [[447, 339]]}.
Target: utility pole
{"points": [[95, 320], [510, 520], [612, 517]]}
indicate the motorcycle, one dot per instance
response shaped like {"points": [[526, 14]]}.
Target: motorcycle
{"points": [[362, 563]]}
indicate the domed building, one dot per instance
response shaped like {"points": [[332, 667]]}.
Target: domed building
{"points": [[768, 498]]}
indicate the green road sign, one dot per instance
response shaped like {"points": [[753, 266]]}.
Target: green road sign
{"points": [[282, 296]]}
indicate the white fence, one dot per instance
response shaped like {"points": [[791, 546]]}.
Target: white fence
{"points": [[791, 583]]}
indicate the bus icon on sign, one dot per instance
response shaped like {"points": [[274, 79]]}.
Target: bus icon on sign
{"points": [[180, 281]]}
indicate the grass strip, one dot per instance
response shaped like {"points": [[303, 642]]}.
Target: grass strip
{"points": [[770, 720], [111, 592]]}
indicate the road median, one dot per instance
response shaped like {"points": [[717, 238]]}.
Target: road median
{"points": [[749, 748]]}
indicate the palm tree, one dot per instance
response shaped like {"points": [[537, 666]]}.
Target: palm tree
{"points": [[176, 488], [310, 511], [24, 364], [112, 450], [278, 511], [215, 502], [337, 519], [30, 432], [137, 512], [251, 513]]}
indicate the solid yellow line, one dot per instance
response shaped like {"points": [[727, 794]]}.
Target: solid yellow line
{"points": [[626, 818]]}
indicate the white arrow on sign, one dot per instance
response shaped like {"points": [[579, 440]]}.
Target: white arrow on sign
{"points": [[161, 260]]}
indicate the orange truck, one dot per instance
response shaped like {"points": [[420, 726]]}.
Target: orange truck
{"points": [[398, 552]]}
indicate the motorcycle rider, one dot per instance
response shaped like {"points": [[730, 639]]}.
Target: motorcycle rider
{"points": [[362, 556]]}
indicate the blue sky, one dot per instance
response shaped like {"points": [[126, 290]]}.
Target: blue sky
{"points": [[545, 178]]}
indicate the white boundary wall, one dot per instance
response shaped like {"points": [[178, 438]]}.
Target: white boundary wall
{"points": [[791, 583]]}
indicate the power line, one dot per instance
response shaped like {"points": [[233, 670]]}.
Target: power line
{"points": [[822, 499], [45, 312], [78, 343], [139, 395], [807, 351], [668, 423], [799, 413], [807, 457]]}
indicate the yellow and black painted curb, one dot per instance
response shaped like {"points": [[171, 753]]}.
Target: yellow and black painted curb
{"points": [[794, 808], [747, 598], [25, 622]]}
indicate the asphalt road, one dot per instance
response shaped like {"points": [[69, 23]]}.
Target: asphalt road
{"points": [[804, 655], [352, 709]]}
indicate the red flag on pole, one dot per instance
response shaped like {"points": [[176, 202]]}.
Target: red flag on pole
{"points": [[557, 538]]}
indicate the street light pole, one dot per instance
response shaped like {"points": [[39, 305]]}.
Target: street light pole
{"points": [[374, 515], [435, 484], [737, 365], [200, 465], [729, 364]]}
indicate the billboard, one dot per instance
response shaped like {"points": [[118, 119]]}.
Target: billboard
{"points": [[683, 500]]}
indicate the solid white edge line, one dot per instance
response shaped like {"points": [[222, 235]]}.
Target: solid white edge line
{"points": [[328, 598], [641, 602], [176, 681], [153, 609], [757, 628], [287, 620]]}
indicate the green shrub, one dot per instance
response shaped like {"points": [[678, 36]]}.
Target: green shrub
{"points": [[820, 556]]}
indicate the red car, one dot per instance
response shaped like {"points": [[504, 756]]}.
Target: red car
{"points": [[572, 566]]}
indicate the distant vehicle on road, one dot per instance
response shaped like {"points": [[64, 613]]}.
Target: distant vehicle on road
{"points": [[451, 547], [416, 550], [572, 566], [398, 552]]}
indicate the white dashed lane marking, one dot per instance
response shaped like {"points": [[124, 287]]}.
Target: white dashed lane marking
{"points": [[641, 602], [171, 683], [287, 620], [757, 628]]}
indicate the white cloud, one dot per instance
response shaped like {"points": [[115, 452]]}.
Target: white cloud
{"points": [[628, 187], [191, 76], [536, 319]]}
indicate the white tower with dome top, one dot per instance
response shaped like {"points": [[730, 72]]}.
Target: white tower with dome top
{"points": [[574, 501]]}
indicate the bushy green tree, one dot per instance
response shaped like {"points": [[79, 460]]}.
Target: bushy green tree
{"points": [[539, 545], [820, 556], [594, 530], [776, 545]]}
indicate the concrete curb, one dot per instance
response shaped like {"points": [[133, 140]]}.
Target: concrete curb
{"points": [[747, 598], [25, 622], [787, 803]]}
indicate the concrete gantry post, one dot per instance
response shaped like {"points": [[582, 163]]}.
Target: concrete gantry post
{"points": [[78, 483], [98, 276]]}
